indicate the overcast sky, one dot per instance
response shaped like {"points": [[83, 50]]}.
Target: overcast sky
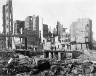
{"points": [[65, 11]]}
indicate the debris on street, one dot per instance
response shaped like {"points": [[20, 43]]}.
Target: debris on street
{"points": [[20, 65]]}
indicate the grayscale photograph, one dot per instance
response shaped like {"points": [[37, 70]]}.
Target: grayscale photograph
{"points": [[47, 37]]}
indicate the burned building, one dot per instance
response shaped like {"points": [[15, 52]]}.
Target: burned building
{"points": [[81, 34], [8, 23]]}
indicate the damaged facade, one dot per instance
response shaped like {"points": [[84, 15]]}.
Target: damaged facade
{"points": [[81, 34]]}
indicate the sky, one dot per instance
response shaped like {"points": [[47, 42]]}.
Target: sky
{"points": [[65, 11]]}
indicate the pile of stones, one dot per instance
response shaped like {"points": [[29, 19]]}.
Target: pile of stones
{"points": [[24, 66]]}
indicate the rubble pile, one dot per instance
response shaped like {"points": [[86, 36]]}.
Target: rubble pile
{"points": [[20, 65], [91, 56]]}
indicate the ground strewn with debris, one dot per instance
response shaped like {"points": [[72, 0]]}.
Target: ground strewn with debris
{"points": [[20, 65]]}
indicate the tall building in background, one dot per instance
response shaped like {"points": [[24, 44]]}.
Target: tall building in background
{"points": [[37, 25], [34, 26], [8, 22], [29, 23], [54, 31], [45, 30], [29, 30], [40, 28], [9, 17], [81, 33], [4, 25], [59, 28]]}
